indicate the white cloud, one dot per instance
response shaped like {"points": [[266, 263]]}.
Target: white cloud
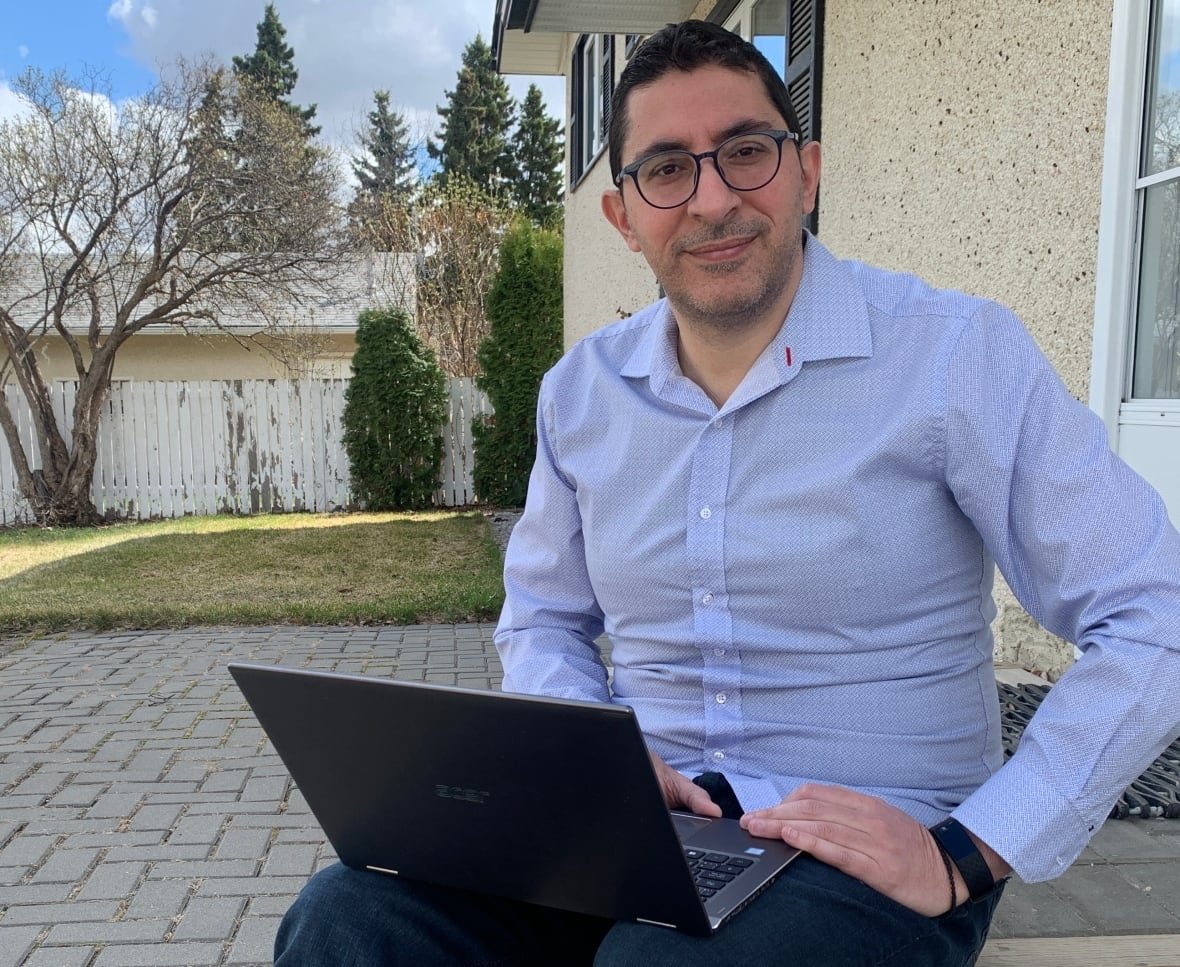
{"points": [[119, 10], [23, 51], [344, 50], [12, 105]]}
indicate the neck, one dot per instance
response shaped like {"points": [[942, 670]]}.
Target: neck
{"points": [[716, 352], [716, 359]]}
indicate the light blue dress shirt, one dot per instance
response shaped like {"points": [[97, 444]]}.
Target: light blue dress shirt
{"points": [[797, 586]]}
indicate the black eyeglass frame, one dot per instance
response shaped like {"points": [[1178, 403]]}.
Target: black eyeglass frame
{"points": [[633, 168]]}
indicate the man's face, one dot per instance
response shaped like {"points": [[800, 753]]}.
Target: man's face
{"points": [[726, 258]]}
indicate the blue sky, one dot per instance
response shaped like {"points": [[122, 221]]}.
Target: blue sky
{"points": [[344, 49], [66, 33]]}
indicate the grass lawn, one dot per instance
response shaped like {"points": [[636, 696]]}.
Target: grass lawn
{"points": [[404, 568]]}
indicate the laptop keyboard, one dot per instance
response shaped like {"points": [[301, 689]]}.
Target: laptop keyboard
{"points": [[714, 871]]}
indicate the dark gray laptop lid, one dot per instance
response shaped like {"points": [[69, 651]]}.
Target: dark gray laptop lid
{"points": [[548, 801]]}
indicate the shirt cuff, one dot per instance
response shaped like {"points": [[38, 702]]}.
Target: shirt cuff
{"points": [[1024, 819]]}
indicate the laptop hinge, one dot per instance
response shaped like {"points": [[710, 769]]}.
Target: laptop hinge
{"points": [[656, 923], [381, 869]]}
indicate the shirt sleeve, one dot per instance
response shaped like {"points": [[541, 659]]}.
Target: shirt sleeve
{"points": [[1087, 548], [551, 617]]}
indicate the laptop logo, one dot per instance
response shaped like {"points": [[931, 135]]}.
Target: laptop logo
{"points": [[477, 796]]}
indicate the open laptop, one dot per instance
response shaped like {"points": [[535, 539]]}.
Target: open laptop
{"points": [[544, 800]]}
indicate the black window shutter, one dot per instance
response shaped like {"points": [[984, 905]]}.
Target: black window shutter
{"points": [[804, 60], [577, 108], [608, 80], [805, 24]]}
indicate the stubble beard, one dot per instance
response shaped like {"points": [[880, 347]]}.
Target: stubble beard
{"points": [[732, 312]]}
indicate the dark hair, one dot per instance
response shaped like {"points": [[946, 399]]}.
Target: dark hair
{"points": [[685, 47]]}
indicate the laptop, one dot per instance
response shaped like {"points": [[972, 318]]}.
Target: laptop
{"points": [[550, 801]]}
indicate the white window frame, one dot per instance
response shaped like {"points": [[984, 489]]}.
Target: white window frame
{"points": [[1117, 279], [739, 20], [1144, 432], [589, 53]]}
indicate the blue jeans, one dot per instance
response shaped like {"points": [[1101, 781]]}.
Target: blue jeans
{"points": [[812, 916]]}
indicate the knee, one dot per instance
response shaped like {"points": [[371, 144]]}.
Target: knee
{"points": [[326, 918]]}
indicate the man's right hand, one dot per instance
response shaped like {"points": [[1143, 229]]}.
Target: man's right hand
{"points": [[680, 792]]}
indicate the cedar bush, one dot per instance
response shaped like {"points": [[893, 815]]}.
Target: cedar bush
{"points": [[394, 408], [524, 340]]}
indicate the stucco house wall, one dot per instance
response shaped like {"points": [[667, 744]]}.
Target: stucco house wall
{"points": [[604, 280], [963, 141]]}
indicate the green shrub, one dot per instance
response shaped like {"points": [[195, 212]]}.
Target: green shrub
{"points": [[394, 408], [524, 340]]}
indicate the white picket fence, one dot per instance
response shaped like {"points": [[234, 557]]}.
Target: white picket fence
{"points": [[171, 448]]}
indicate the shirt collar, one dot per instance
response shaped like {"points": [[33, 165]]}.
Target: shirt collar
{"points": [[828, 319]]}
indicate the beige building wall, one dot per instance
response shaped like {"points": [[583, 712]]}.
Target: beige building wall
{"points": [[604, 280], [178, 357], [963, 141]]}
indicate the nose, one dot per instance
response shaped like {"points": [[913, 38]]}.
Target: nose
{"points": [[713, 197]]}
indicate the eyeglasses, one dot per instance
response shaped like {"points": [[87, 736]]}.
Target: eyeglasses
{"points": [[745, 162]]}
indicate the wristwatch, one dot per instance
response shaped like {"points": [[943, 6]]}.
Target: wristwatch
{"points": [[952, 836]]}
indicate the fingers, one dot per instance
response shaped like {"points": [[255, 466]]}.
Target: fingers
{"points": [[680, 792], [825, 811], [862, 836], [697, 800]]}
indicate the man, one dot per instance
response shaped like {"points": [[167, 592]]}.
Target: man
{"points": [[780, 493]]}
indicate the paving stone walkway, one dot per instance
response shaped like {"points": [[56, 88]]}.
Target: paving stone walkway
{"points": [[145, 819]]}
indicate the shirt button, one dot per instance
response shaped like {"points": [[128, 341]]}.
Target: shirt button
{"points": [[719, 652], [706, 513], [721, 698], [707, 599], [718, 756], [720, 422]]}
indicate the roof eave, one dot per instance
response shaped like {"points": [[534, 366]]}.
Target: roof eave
{"points": [[530, 36]]}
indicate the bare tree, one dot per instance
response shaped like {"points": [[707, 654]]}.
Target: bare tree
{"points": [[105, 216], [456, 228]]}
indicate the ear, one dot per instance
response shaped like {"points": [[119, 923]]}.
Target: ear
{"points": [[810, 161], [616, 213]]}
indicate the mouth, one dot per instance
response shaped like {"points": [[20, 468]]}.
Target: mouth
{"points": [[724, 250]]}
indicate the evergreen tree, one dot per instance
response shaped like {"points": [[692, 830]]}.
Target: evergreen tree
{"points": [[271, 68], [480, 112], [394, 407], [538, 151], [385, 168], [525, 317]]}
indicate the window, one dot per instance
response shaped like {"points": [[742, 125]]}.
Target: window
{"points": [[1135, 368], [592, 83], [788, 32], [1156, 352]]}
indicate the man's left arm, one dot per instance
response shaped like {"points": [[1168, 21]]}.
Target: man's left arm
{"points": [[1087, 548]]}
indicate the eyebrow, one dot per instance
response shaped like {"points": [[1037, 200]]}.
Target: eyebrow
{"points": [[743, 126]]}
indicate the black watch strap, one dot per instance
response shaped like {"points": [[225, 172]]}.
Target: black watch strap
{"points": [[951, 835]]}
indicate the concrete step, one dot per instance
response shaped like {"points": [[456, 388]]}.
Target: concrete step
{"points": [[1145, 950]]}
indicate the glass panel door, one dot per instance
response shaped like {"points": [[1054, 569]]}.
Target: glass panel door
{"points": [[1156, 364]]}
